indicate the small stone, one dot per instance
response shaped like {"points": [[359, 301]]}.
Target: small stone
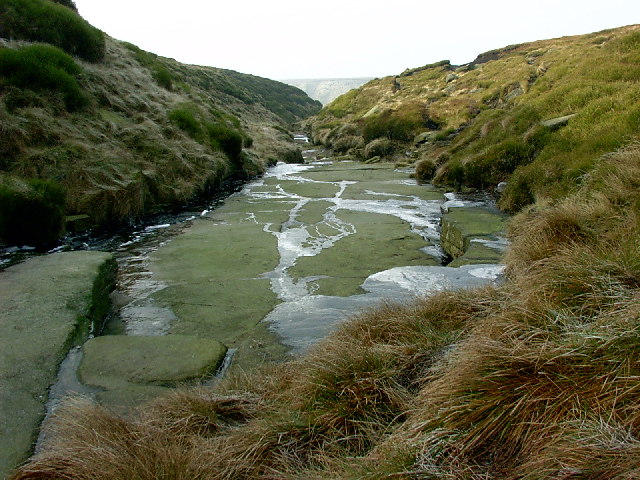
{"points": [[557, 122]]}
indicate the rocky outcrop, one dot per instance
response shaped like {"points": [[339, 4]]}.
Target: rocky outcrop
{"points": [[47, 305], [555, 123], [472, 235]]}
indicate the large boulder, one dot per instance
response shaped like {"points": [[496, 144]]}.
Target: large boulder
{"points": [[558, 122], [473, 235]]}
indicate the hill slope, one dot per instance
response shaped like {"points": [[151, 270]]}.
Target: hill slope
{"points": [[122, 132], [477, 125]]}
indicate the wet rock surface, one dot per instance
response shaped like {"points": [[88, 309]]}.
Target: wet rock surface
{"points": [[47, 305], [472, 233], [296, 252], [131, 368]]}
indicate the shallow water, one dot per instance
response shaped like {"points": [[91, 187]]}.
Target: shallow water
{"points": [[339, 237], [275, 267]]}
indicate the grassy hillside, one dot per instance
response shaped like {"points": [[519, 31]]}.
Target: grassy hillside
{"points": [[487, 122], [535, 379], [115, 133]]}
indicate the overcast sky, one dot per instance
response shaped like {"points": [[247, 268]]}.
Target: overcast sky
{"points": [[286, 39]]}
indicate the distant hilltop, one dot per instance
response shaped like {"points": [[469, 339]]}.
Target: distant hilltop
{"points": [[325, 90]]}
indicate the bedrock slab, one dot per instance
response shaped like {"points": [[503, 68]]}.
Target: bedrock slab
{"points": [[47, 305], [131, 368], [117, 360]]}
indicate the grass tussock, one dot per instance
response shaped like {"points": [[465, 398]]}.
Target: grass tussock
{"points": [[535, 379], [125, 450], [55, 23]]}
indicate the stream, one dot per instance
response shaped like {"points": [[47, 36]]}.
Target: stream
{"points": [[273, 268]]}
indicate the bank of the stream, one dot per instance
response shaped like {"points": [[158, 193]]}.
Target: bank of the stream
{"points": [[48, 305]]}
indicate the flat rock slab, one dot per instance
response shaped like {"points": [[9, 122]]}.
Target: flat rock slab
{"points": [[117, 361], [47, 305]]}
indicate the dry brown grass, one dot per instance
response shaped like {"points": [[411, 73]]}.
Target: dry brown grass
{"points": [[91, 443], [560, 356], [593, 448], [200, 411]]}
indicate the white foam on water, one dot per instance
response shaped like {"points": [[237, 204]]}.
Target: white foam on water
{"points": [[157, 227], [282, 170], [304, 318], [308, 319]]}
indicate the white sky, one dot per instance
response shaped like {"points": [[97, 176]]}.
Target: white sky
{"points": [[287, 39]]}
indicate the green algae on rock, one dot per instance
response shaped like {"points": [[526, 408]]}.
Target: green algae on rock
{"points": [[116, 360], [302, 230], [380, 242], [214, 278], [47, 305], [472, 235]]}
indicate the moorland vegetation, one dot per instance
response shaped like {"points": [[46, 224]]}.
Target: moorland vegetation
{"points": [[533, 379], [96, 133], [537, 378], [536, 115]]}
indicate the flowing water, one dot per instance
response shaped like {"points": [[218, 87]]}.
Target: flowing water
{"points": [[273, 268], [298, 251]]}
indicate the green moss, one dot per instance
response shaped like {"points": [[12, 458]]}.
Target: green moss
{"points": [[227, 139], [162, 76], [185, 117], [221, 133]]}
